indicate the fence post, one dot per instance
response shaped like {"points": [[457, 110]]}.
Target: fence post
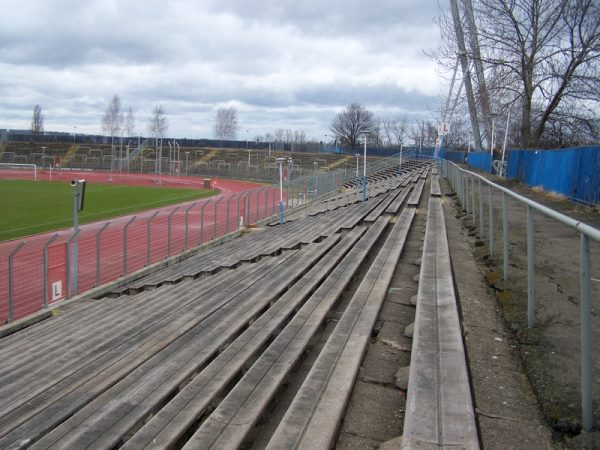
{"points": [[148, 240], [237, 216], [491, 220], [467, 192], [215, 217], [202, 221], [169, 231], [98, 252], [473, 208], [227, 218], [480, 210], [11, 300], [257, 202], [505, 235], [125, 244], [71, 277], [585, 310], [187, 216], [530, 269], [247, 208], [46, 280]]}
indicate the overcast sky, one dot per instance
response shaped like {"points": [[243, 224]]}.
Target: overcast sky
{"points": [[281, 63]]}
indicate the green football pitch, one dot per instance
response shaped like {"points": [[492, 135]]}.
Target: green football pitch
{"points": [[31, 207]]}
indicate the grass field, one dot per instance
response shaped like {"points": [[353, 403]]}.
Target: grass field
{"points": [[31, 207]]}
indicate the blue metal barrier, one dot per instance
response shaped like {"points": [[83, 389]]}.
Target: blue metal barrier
{"points": [[572, 172], [480, 160]]}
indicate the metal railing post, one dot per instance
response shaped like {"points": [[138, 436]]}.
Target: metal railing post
{"points": [[586, 233], [46, 276], [216, 217], [148, 239], [481, 224], [202, 221], [187, 221], [467, 192], [491, 220], [227, 207], [71, 278], [169, 231], [237, 215], [463, 188], [473, 209], [257, 202], [247, 208], [585, 309], [125, 242], [11, 299], [530, 269], [505, 236], [98, 259]]}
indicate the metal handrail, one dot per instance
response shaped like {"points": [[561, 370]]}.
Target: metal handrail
{"points": [[463, 183]]}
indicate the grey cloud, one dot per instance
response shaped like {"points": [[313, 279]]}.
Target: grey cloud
{"points": [[282, 63]]}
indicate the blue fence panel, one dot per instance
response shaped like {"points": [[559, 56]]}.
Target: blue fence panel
{"points": [[454, 156], [573, 172], [480, 160], [587, 185]]}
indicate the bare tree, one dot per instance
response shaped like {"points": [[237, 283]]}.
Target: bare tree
{"points": [[37, 123], [541, 58], [112, 120], [279, 135], [158, 125], [376, 135], [400, 130], [347, 126], [394, 131], [288, 136], [424, 133], [226, 124], [299, 137], [129, 124]]}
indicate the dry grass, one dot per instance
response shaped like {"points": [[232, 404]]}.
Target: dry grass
{"points": [[550, 194]]}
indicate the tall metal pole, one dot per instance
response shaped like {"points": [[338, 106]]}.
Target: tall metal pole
{"points": [[462, 55], [475, 50]]}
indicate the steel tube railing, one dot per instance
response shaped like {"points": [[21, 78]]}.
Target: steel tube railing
{"points": [[458, 176]]}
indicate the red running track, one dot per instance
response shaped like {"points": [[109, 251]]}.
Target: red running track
{"points": [[107, 250]]}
